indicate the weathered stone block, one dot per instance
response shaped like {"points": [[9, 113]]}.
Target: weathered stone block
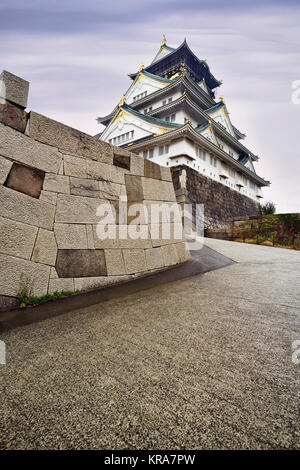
{"points": [[111, 191], [122, 161], [84, 187], [182, 251], [137, 213], [53, 273], [13, 116], [19, 271], [45, 248], [158, 190], [87, 283], [165, 173], [61, 168], [25, 179], [16, 239], [90, 237], [26, 209], [116, 174], [166, 233], [152, 170], [80, 263], [70, 236], [57, 183], [134, 188], [163, 211], [74, 166], [67, 139], [135, 261], [154, 258], [15, 89], [170, 255], [48, 196], [5, 166], [21, 148], [57, 285], [137, 165], [114, 262], [124, 237], [77, 209], [98, 171]]}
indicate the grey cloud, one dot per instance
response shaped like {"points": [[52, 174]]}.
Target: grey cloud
{"points": [[77, 63]]}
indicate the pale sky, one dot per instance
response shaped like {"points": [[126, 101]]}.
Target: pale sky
{"points": [[77, 55]]}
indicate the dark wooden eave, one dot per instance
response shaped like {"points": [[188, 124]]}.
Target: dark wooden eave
{"points": [[183, 55]]}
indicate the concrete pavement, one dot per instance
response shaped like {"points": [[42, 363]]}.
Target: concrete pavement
{"points": [[204, 362]]}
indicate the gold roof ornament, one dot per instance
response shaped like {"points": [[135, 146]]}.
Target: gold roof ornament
{"points": [[122, 101], [141, 67], [183, 67], [222, 99], [163, 42], [184, 93], [174, 76]]}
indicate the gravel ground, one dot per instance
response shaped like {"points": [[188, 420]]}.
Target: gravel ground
{"points": [[199, 363]]}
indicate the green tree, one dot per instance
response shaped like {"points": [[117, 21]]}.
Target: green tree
{"points": [[267, 208]]}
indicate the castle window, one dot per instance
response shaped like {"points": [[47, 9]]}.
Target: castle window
{"points": [[170, 99], [162, 149], [122, 138], [140, 96], [231, 173], [213, 161], [150, 153], [164, 102], [171, 118], [200, 153]]}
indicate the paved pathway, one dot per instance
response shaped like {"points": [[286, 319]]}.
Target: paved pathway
{"points": [[204, 362]]}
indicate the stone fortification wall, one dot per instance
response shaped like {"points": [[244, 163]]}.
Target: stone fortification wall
{"points": [[220, 202], [52, 180]]}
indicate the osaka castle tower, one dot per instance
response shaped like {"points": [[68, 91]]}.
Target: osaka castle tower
{"points": [[169, 115]]}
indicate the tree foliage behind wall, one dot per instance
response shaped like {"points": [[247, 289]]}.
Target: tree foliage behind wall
{"points": [[274, 229]]}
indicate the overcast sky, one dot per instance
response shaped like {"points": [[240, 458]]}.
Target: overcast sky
{"points": [[77, 54]]}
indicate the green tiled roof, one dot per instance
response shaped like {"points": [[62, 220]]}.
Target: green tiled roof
{"points": [[161, 54], [202, 127], [156, 77], [148, 118], [243, 159], [215, 107]]}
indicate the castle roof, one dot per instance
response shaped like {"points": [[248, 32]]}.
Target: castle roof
{"points": [[168, 57], [148, 118]]}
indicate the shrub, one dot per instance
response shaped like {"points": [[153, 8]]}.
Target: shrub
{"points": [[27, 299], [267, 208]]}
